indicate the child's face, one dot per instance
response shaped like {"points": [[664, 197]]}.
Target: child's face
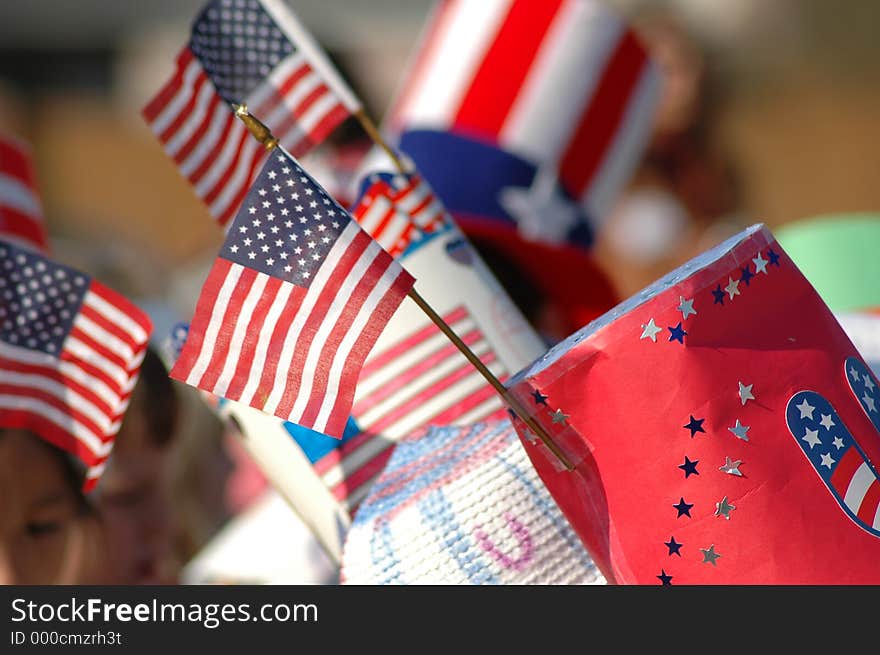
{"points": [[45, 537]]}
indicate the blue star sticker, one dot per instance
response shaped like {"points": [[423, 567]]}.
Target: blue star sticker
{"points": [[718, 292], [540, 399], [689, 467], [684, 509], [773, 258], [746, 275], [512, 415], [673, 546], [665, 580], [677, 333], [695, 425]]}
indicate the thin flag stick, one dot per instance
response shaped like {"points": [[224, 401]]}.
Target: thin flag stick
{"points": [[262, 134]]}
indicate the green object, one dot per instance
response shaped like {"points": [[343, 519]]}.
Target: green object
{"points": [[840, 255]]}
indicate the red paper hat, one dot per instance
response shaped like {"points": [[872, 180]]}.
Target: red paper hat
{"points": [[723, 429]]}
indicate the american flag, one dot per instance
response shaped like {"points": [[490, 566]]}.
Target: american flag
{"points": [[421, 379], [251, 52], [731, 398], [70, 352], [21, 213], [398, 209], [293, 304]]}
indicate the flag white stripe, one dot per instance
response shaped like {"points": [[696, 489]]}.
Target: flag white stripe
{"points": [[171, 111], [208, 141], [316, 112], [304, 312], [480, 412], [216, 321], [65, 394], [88, 438], [239, 335], [197, 116], [116, 316], [222, 162], [105, 338], [624, 151], [341, 302], [858, 487], [20, 197], [561, 81], [76, 347], [377, 293], [355, 460], [375, 214], [447, 76], [67, 369]]}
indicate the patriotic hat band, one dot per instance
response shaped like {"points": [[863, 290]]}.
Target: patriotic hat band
{"points": [[724, 426], [463, 505]]}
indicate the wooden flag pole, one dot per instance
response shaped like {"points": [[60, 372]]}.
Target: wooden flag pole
{"points": [[262, 134]]}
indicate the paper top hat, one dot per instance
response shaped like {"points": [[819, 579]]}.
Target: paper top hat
{"points": [[463, 505], [723, 426]]}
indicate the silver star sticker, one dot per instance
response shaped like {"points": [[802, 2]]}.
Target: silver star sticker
{"points": [[868, 382], [760, 264], [650, 331], [732, 287], [745, 392], [869, 402], [731, 467], [837, 443], [806, 409], [854, 373], [686, 307], [811, 437], [723, 508], [559, 417], [740, 430], [826, 421], [827, 460], [709, 555]]}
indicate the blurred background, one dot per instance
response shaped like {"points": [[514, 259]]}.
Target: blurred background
{"points": [[770, 113]]}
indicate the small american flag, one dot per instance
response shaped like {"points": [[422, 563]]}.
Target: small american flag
{"points": [[251, 52], [293, 304], [21, 214], [420, 380], [70, 352]]}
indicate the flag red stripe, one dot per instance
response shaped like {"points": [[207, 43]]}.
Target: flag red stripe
{"points": [[293, 116], [113, 328], [845, 470], [430, 361], [288, 85], [201, 318], [256, 324], [243, 138], [386, 357], [171, 88], [223, 340], [24, 226], [97, 347], [57, 403], [868, 508], [324, 127], [468, 404], [367, 337], [341, 270], [499, 79], [210, 160], [15, 161], [92, 371], [599, 123]]}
